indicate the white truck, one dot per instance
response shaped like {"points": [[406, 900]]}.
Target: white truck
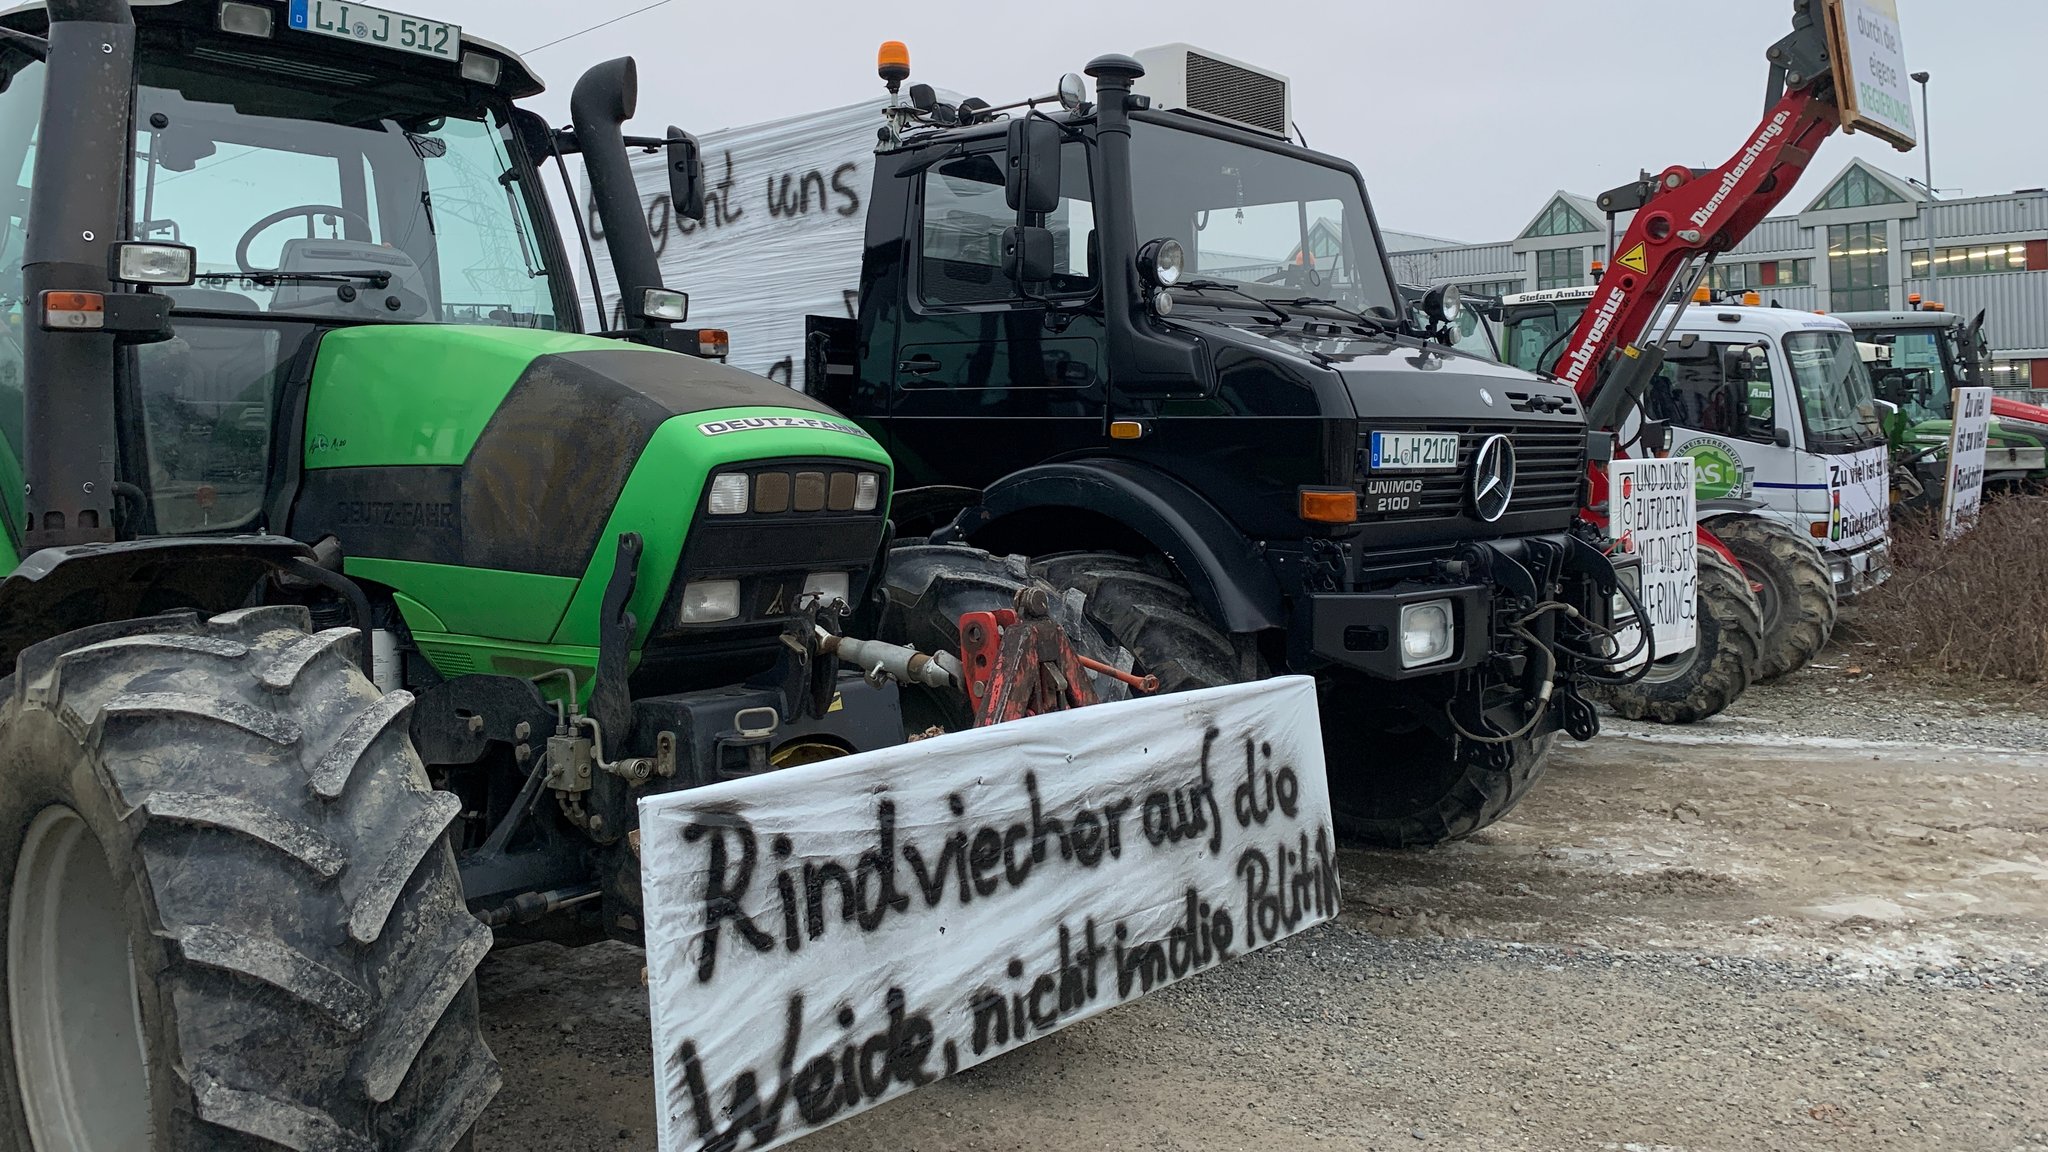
{"points": [[1774, 406]]}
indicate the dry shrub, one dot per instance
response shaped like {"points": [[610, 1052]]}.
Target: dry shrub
{"points": [[1977, 606]]}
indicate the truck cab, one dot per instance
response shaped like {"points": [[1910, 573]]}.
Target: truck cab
{"points": [[1774, 405], [1927, 353], [1154, 340]]}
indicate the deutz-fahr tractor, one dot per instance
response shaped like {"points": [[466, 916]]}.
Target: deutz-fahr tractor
{"points": [[352, 596]]}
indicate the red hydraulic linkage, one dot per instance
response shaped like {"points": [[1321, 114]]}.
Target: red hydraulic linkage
{"points": [[1684, 217], [1018, 663]]}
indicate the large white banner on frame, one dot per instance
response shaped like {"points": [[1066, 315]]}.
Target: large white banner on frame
{"points": [[825, 938]]}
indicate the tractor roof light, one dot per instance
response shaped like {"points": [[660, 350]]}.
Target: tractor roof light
{"points": [[481, 68], [245, 19], [714, 343]]}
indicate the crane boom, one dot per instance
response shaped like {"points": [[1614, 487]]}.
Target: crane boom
{"points": [[1684, 217]]}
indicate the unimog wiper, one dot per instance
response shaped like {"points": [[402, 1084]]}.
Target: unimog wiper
{"points": [[1220, 286], [1378, 324], [378, 278]]}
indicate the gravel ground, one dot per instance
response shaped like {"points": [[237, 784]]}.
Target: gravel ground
{"points": [[1813, 923]]}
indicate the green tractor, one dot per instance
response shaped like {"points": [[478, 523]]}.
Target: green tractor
{"points": [[352, 596]]}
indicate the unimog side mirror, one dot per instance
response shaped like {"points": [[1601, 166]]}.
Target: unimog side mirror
{"points": [[1027, 254], [1032, 166], [685, 174]]}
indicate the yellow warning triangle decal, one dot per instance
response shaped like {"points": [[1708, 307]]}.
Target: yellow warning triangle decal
{"points": [[1633, 260]]}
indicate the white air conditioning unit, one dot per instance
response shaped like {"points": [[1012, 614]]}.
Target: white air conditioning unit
{"points": [[1192, 79]]}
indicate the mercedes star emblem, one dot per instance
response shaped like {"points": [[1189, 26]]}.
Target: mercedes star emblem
{"points": [[1493, 478], [1486, 396]]}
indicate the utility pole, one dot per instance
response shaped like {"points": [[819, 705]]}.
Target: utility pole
{"points": [[1927, 156]]}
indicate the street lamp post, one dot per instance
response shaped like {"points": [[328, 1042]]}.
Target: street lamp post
{"points": [[1927, 157]]}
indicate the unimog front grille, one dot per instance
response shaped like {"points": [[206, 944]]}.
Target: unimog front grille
{"points": [[1549, 470]]}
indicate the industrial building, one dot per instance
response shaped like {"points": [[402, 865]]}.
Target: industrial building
{"points": [[1860, 243]]}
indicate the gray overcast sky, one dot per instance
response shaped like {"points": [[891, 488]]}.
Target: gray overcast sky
{"points": [[1463, 115]]}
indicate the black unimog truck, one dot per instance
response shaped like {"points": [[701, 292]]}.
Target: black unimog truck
{"points": [[1161, 351]]}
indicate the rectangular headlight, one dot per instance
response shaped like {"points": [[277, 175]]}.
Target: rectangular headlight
{"points": [[728, 494], [867, 492], [245, 19], [172, 265], [827, 587], [1427, 634], [480, 68], [709, 601]]}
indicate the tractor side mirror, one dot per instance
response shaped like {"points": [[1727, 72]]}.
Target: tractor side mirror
{"points": [[1032, 166], [1027, 254], [685, 174]]}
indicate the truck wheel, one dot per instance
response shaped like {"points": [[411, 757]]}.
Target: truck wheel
{"points": [[926, 590], [1415, 788], [1143, 606], [1694, 685], [232, 919], [1795, 592], [1386, 788]]}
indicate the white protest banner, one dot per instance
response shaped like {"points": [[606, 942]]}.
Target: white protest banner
{"points": [[1870, 69], [1859, 497], [1963, 493], [1653, 513], [827, 937]]}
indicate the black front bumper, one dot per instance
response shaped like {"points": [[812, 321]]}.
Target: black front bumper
{"points": [[1486, 583]]}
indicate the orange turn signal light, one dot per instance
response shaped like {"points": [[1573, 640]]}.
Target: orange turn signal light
{"points": [[73, 311], [1818, 529], [1126, 430], [713, 342], [1329, 506], [1701, 295]]}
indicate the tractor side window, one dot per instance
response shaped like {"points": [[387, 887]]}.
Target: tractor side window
{"points": [[21, 108], [961, 250], [1721, 388]]}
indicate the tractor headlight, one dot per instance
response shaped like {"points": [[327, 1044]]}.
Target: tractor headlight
{"points": [[867, 492], [1426, 633], [729, 494], [171, 265], [826, 587], [709, 601]]}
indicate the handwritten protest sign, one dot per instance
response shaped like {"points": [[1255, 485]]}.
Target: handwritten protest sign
{"points": [[1962, 494], [1654, 514], [825, 938]]}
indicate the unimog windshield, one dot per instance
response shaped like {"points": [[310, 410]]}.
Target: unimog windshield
{"points": [[1257, 220]]}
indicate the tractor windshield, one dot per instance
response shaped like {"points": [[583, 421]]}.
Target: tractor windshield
{"points": [[316, 205], [1834, 388], [1921, 372], [1261, 221]]}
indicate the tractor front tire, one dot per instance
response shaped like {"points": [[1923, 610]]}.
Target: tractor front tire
{"points": [[1699, 683], [232, 917], [1796, 593]]}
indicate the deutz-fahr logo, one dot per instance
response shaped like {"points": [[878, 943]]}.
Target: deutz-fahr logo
{"points": [[762, 423]]}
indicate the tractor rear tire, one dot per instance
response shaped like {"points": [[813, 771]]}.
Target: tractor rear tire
{"points": [[926, 590], [1797, 595], [232, 918], [1694, 685]]}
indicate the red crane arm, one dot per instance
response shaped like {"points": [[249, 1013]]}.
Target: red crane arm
{"points": [[1689, 213]]}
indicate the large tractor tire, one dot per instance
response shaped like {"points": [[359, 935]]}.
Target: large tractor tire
{"points": [[1793, 589], [232, 917], [1386, 788], [1699, 683], [926, 590]]}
